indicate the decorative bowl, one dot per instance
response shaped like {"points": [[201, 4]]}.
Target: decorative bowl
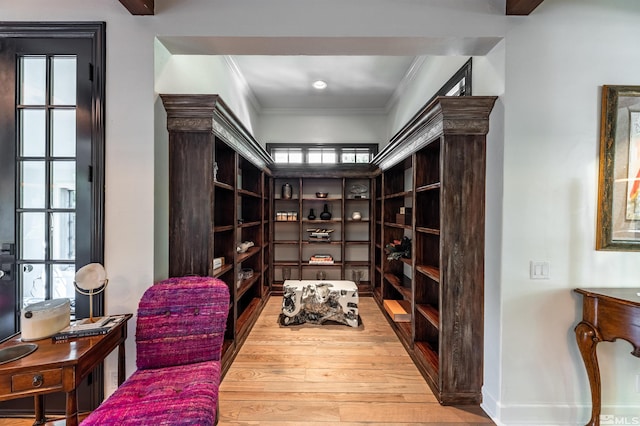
{"points": [[322, 194]]}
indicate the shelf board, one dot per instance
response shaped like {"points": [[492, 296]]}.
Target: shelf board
{"points": [[250, 252], [402, 194], [397, 225], [244, 318], [334, 242], [223, 228], [357, 263], [429, 355], [377, 293], [406, 261], [221, 270], [249, 224], [286, 199], [321, 199], [286, 263], [249, 193], [426, 230], [357, 242], [286, 242], [246, 285], [405, 330], [222, 185], [358, 221], [396, 283], [428, 187], [322, 220], [430, 271], [430, 313]]}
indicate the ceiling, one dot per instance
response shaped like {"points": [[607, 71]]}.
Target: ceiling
{"points": [[362, 74], [353, 82]]}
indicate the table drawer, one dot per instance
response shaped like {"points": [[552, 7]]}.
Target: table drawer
{"points": [[44, 379]]}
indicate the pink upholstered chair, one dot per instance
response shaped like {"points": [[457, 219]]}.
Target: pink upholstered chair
{"points": [[179, 336]]}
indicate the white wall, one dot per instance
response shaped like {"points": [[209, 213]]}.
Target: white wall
{"points": [[542, 181], [557, 59], [322, 127], [434, 72]]}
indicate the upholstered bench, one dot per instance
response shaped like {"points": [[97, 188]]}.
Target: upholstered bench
{"points": [[179, 336], [316, 302]]}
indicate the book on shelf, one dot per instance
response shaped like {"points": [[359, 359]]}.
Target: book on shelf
{"points": [[84, 328], [321, 259]]}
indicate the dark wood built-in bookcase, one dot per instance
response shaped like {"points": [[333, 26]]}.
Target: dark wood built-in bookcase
{"points": [[435, 167], [350, 243], [219, 189], [426, 186]]}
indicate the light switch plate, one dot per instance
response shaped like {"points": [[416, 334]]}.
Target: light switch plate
{"points": [[539, 270]]}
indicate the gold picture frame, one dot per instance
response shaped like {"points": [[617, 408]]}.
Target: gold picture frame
{"points": [[618, 226]]}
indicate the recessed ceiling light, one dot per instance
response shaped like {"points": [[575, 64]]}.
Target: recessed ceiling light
{"points": [[319, 84]]}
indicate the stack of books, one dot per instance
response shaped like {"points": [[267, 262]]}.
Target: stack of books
{"points": [[321, 259], [319, 235], [84, 328]]}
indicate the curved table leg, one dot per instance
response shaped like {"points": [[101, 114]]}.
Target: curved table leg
{"points": [[588, 338]]}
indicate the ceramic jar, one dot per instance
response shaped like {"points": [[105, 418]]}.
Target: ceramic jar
{"points": [[326, 214]]}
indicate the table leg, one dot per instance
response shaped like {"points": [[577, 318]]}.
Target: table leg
{"points": [[121, 363], [38, 404], [588, 338], [72, 408]]}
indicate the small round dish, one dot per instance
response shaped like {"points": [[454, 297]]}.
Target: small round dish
{"points": [[322, 194], [247, 273]]}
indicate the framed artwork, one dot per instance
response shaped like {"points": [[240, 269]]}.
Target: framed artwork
{"points": [[619, 177]]}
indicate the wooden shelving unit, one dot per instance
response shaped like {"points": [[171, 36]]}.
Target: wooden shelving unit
{"points": [[225, 190], [435, 166], [219, 197], [350, 243]]}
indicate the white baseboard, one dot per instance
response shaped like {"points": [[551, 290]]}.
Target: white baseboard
{"points": [[556, 414]]}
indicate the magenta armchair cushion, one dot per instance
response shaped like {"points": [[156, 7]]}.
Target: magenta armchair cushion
{"points": [[181, 321], [179, 337], [179, 395]]}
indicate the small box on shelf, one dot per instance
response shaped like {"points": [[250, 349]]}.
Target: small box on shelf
{"points": [[218, 262], [398, 310], [404, 217]]}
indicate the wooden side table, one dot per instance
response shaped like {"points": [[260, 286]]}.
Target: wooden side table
{"points": [[607, 314], [60, 367]]}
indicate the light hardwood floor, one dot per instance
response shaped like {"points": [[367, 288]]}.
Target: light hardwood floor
{"points": [[328, 375], [331, 375]]}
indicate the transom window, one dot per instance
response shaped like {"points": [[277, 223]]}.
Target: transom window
{"points": [[322, 154]]}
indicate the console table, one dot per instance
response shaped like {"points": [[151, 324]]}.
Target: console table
{"points": [[59, 367], [317, 301], [607, 314]]}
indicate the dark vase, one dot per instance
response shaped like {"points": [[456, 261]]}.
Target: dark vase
{"points": [[312, 215], [326, 214]]}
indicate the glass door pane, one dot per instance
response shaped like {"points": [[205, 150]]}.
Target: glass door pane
{"points": [[46, 214]]}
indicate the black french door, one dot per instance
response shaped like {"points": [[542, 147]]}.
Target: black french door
{"points": [[51, 173]]}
